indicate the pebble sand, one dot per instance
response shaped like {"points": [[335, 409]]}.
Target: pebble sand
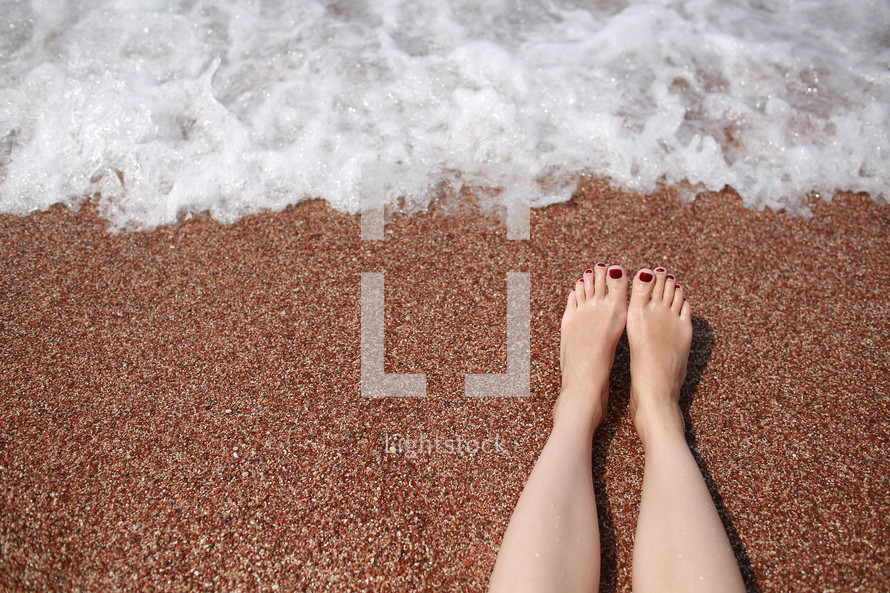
{"points": [[181, 408]]}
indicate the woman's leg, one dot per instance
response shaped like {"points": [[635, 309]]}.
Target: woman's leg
{"points": [[552, 541], [680, 543]]}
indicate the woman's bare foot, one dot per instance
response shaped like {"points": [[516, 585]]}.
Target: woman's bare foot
{"points": [[553, 542], [680, 544], [591, 327], [659, 331]]}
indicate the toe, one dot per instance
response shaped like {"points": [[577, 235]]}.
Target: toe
{"points": [[599, 277], [580, 290], [679, 298], [572, 301], [642, 287], [685, 311], [670, 283], [617, 283], [589, 283], [658, 289]]}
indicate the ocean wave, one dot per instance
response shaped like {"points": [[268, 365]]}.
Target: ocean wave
{"points": [[234, 107]]}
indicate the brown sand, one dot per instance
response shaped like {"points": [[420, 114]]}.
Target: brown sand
{"points": [[181, 408]]}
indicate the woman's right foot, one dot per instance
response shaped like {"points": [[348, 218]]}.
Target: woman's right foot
{"points": [[659, 332]]}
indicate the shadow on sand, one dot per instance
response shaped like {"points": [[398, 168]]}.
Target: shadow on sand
{"points": [[619, 399]]}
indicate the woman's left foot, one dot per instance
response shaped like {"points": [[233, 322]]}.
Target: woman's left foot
{"points": [[592, 324]]}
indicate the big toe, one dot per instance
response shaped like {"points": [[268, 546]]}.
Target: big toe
{"points": [[616, 281], [642, 287]]}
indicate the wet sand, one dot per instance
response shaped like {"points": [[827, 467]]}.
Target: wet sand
{"points": [[181, 408]]}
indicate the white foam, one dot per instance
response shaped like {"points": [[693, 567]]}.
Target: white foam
{"points": [[235, 106]]}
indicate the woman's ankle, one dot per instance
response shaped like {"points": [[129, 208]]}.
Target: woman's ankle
{"points": [[579, 412], [659, 422]]}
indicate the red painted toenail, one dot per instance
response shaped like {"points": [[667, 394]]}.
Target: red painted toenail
{"points": [[601, 265], [616, 273], [670, 276], [660, 270], [588, 271], [580, 279], [645, 276]]}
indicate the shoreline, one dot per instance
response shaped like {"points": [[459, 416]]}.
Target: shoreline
{"points": [[182, 406]]}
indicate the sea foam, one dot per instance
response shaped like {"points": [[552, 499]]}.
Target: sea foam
{"points": [[159, 110]]}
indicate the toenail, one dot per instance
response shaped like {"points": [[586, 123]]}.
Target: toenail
{"points": [[670, 276], [580, 279], [588, 271], [616, 273], [660, 270], [645, 276], [601, 265]]}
